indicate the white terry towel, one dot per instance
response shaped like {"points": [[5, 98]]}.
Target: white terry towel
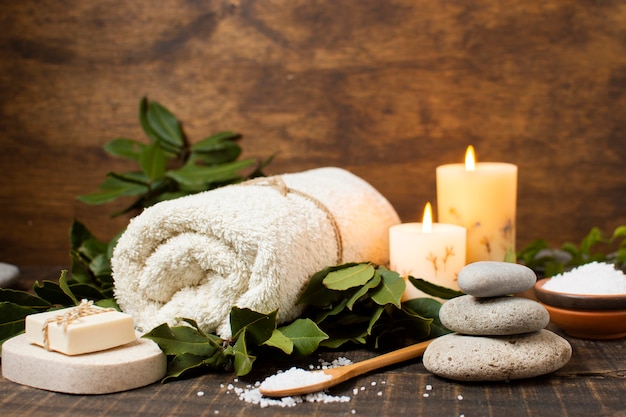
{"points": [[252, 245]]}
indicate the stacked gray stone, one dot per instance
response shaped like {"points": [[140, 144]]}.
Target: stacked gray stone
{"points": [[497, 336]]}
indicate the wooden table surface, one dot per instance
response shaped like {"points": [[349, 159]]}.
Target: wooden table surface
{"points": [[593, 383]]}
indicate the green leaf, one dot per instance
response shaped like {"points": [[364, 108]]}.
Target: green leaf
{"points": [[194, 324], [216, 142], [620, 231], [243, 361], [216, 149], [115, 186], [202, 176], [82, 291], [153, 161], [280, 341], [12, 319], [137, 178], [51, 292], [425, 313], [390, 289], [305, 335], [258, 326], [124, 148], [63, 284], [375, 317], [78, 234], [179, 340], [372, 283], [100, 265], [108, 303], [181, 365], [337, 308], [79, 267], [340, 335], [92, 247], [23, 299], [164, 124], [316, 294], [349, 277], [143, 120], [434, 289]]}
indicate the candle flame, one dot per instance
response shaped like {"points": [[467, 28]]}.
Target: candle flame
{"points": [[427, 221], [470, 159]]}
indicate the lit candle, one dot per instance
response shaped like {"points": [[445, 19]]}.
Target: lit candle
{"points": [[431, 251], [482, 197]]}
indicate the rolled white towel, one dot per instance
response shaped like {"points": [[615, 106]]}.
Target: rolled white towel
{"points": [[252, 245]]}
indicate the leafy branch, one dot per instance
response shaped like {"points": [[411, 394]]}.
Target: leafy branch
{"points": [[595, 246], [169, 166], [353, 304]]}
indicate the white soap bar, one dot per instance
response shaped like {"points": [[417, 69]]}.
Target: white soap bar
{"points": [[126, 367], [98, 329]]}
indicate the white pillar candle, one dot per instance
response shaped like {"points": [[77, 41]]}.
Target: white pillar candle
{"points": [[482, 197], [431, 251]]}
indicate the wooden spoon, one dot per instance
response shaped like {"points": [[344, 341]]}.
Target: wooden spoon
{"points": [[343, 373]]}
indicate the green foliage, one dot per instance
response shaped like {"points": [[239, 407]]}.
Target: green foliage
{"points": [[361, 304], [191, 350], [357, 303], [595, 246], [169, 166]]}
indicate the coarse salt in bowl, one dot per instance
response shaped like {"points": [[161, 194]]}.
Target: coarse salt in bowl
{"points": [[593, 286], [587, 302]]}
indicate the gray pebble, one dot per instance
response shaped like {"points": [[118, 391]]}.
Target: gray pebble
{"points": [[474, 358], [495, 316], [493, 279], [9, 274]]}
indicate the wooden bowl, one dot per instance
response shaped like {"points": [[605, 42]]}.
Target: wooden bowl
{"points": [[579, 301], [589, 324]]}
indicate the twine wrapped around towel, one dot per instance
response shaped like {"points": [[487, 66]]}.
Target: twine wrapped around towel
{"points": [[251, 245], [278, 183]]}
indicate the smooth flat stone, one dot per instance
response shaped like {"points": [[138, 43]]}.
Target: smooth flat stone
{"points": [[9, 274], [498, 358], [494, 316], [493, 279], [130, 366]]}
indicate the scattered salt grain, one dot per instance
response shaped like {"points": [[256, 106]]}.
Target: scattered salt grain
{"points": [[591, 278], [429, 387], [425, 395], [200, 393], [459, 397], [379, 393], [353, 411], [373, 383]]}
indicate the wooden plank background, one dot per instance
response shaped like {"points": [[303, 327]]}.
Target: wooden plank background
{"points": [[387, 89]]}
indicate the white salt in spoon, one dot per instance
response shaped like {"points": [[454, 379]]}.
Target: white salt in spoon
{"points": [[343, 373]]}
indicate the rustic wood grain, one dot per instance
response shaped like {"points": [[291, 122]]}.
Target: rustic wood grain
{"points": [[388, 90]]}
